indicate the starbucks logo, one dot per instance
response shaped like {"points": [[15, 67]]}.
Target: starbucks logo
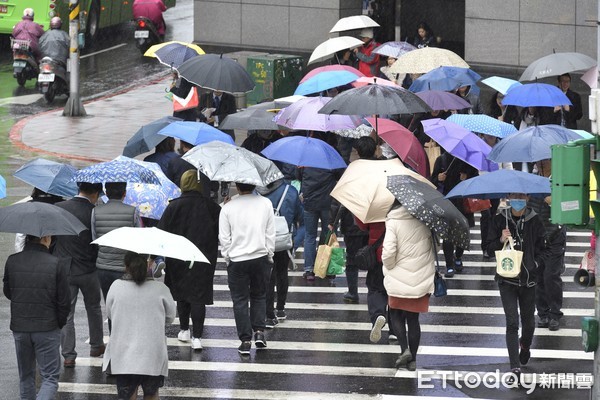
{"points": [[507, 264]]}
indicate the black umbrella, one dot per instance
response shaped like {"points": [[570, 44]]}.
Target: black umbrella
{"points": [[39, 219], [252, 119], [147, 137], [430, 207], [213, 71]]}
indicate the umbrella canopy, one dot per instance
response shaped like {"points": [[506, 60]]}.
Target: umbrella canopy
{"points": [[227, 163], [439, 100], [328, 68], [328, 48], [353, 22], [430, 207], [501, 183], [151, 52], [2, 187], [150, 200], [362, 187], [375, 100], [215, 72], [535, 95], [460, 142], [305, 114], [358, 132], [147, 137], [501, 84], [50, 176], [531, 144], [39, 219], [423, 60], [152, 241], [371, 80], [404, 143], [276, 104], [482, 123], [251, 119], [116, 171], [195, 132], [445, 79], [175, 54], [394, 49], [324, 81], [304, 152], [557, 64], [583, 134]]}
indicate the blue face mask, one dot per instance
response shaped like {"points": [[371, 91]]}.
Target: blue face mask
{"points": [[518, 204]]}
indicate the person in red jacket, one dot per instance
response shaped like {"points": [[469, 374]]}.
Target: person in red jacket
{"points": [[151, 9], [368, 62]]}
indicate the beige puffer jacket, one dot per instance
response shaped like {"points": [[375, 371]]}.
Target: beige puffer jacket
{"points": [[408, 258]]}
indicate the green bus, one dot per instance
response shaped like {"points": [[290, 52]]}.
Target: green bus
{"points": [[94, 14]]}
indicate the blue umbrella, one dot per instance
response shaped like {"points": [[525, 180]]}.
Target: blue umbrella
{"points": [[195, 132], [305, 152], [482, 123], [147, 137], [531, 144], [501, 84], [535, 95], [2, 187], [500, 184], [116, 171], [50, 176], [174, 54], [324, 81], [445, 79]]}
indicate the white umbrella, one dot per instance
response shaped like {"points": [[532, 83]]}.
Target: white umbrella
{"points": [[152, 241], [423, 60], [557, 64], [331, 46], [354, 22]]}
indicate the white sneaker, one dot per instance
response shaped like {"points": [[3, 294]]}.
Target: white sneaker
{"points": [[196, 344], [184, 336]]}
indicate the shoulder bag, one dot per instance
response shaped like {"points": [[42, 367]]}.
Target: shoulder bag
{"points": [[283, 236], [366, 257]]}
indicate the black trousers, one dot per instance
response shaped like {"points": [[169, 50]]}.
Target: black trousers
{"points": [[198, 314], [486, 218], [279, 279], [549, 290]]}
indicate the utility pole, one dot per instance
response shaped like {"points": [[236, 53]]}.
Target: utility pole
{"points": [[74, 106], [596, 383]]}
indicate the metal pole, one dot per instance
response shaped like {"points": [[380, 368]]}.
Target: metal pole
{"points": [[74, 106], [596, 384]]}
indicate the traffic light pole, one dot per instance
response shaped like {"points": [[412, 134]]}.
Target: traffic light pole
{"points": [[74, 106]]}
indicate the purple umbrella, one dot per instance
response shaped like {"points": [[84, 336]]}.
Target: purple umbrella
{"points": [[304, 115], [438, 100], [460, 142]]}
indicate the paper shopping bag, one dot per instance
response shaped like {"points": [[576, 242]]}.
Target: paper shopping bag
{"points": [[508, 260], [322, 260], [190, 101]]}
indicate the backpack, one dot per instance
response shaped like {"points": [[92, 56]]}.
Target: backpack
{"points": [[283, 236]]}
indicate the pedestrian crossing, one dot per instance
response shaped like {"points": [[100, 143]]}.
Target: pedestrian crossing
{"points": [[322, 351]]}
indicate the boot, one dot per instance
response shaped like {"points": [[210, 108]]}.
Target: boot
{"points": [[352, 278]]}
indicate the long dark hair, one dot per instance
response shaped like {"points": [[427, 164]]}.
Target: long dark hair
{"points": [[136, 266]]}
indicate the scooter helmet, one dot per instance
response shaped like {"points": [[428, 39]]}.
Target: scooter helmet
{"points": [[28, 12], [55, 23]]}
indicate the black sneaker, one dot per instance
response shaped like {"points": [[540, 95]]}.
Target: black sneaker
{"points": [[554, 325], [515, 378], [524, 354], [270, 323], [458, 265], [259, 340], [309, 276], [449, 273], [543, 322], [280, 314], [350, 298], [245, 348]]}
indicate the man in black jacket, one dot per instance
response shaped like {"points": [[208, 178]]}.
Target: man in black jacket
{"points": [[566, 115], [36, 284], [215, 106], [83, 274]]}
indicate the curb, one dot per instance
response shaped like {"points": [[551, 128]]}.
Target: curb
{"points": [[15, 134]]}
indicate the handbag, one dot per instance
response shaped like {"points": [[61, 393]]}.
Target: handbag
{"points": [[472, 206], [324, 255], [508, 260], [190, 101], [439, 284], [283, 236], [433, 152], [366, 257]]}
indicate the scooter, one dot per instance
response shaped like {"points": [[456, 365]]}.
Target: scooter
{"points": [[53, 79], [24, 65], [145, 34]]}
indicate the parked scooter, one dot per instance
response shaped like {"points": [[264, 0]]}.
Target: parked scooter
{"points": [[24, 65], [145, 34], [53, 79]]}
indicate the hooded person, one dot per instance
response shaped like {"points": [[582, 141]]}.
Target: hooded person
{"points": [[195, 217], [368, 62], [29, 30]]}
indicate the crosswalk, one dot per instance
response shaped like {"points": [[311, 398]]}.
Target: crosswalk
{"points": [[322, 351]]}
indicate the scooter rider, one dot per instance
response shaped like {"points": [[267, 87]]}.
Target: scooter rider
{"points": [[151, 9], [29, 30], [55, 42]]}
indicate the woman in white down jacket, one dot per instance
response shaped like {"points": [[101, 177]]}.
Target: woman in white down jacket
{"points": [[408, 269]]}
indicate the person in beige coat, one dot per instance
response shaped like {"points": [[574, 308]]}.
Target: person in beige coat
{"points": [[408, 269]]}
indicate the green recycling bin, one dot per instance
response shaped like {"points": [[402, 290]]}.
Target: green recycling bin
{"points": [[275, 76]]}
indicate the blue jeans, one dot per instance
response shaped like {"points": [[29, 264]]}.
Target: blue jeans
{"points": [[311, 222], [248, 281], [43, 347]]}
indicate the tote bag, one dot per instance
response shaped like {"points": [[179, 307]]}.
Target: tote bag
{"points": [[508, 260]]}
